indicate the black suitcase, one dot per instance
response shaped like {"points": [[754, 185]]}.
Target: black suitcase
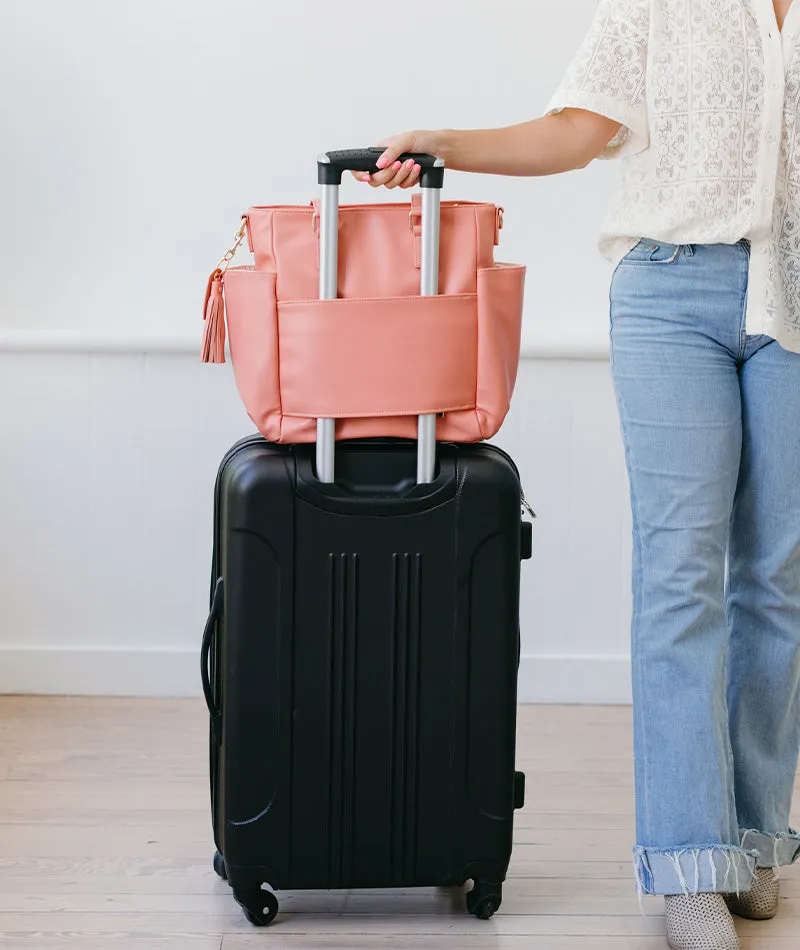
{"points": [[360, 659], [360, 666]]}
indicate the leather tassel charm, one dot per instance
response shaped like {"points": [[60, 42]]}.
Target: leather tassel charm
{"points": [[213, 349]]}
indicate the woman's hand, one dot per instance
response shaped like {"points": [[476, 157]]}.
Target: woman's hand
{"points": [[396, 174], [547, 146]]}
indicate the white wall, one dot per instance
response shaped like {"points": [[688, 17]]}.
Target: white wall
{"points": [[105, 534], [137, 131], [135, 134]]}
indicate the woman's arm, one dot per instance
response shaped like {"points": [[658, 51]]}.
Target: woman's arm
{"points": [[548, 146]]}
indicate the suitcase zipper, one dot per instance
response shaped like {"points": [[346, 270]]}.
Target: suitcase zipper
{"points": [[233, 450], [524, 503], [526, 508]]}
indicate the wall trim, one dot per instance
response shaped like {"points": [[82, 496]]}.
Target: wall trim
{"points": [[569, 341], [100, 671], [95, 341], [175, 672], [599, 680]]}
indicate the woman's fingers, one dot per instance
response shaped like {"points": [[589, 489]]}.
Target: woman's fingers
{"points": [[413, 177], [401, 174], [394, 147], [392, 173], [385, 176]]}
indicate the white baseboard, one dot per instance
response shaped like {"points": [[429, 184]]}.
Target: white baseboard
{"points": [[600, 680], [567, 340], [176, 672], [98, 671]]}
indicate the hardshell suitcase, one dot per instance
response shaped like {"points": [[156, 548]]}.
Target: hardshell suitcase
{"points": [[360, 667]]}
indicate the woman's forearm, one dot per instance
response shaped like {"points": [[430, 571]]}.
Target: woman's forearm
{"points": [[546, 146]]}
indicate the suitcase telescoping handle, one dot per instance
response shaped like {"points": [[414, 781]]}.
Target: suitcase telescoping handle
{"points": [[330, 167]]}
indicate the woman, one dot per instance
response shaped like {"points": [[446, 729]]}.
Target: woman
{"points": [[701, 100]]}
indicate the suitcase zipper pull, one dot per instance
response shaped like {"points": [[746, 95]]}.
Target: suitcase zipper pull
{"points": [[526, 508], [213, 346]]}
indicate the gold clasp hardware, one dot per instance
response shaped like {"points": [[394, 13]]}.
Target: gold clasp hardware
{"points": [[315, 222], [498, 225], [225, 260]]}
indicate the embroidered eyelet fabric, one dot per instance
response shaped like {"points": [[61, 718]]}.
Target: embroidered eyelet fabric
{"points": [[708, 95]]}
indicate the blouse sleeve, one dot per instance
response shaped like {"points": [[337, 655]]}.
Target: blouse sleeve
{"points": [[608, 74]]}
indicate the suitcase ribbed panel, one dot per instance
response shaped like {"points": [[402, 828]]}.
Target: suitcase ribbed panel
{"points": [[406, 627], [343, 614]]}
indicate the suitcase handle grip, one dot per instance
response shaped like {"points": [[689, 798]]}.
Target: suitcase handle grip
{"points": [[331, 165], [205, 656]]}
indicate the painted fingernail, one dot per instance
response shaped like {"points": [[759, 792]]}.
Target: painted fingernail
{"points": [[381, 163], [397, 165], [417, 169]]}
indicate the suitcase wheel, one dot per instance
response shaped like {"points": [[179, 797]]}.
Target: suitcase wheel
{"points": [[219, 866], [484, 900], [260, 907]]}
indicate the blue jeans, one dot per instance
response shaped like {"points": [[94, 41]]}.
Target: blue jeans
{"points": [[710, 419]]}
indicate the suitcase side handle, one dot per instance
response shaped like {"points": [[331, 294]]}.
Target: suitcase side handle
{"points": [[331, 165], [205, 655]]}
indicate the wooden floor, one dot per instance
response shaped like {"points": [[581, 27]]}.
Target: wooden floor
{"points": [[105, 844]]}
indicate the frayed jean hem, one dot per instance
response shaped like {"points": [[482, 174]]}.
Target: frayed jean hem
{"points": [[717, 869], [774, 851]]}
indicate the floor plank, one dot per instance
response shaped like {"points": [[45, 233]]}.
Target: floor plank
{"points": [[67, 940], [99, 850], [461, 942]]}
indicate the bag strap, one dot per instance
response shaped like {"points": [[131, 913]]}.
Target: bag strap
{"points": [[414, 225]]}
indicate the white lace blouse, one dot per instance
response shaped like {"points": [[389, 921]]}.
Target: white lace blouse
{"points": [[708, 93]]}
